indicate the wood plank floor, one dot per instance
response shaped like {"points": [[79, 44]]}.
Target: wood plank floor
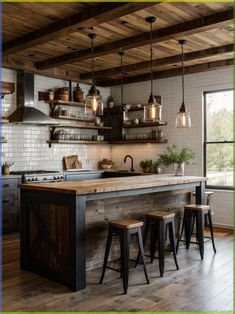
{"points": [[197, 287]]}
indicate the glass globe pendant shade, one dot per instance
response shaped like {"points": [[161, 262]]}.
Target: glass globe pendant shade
{"points": [[152, 110], [183, 119], [94, 101]]}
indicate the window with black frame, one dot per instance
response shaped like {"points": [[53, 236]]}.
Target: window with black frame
{"points": [[218, 139]]}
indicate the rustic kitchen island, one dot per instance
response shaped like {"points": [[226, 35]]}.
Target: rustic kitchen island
{"points": [[54, 226]]}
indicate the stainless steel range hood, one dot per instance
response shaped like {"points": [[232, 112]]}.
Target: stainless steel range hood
{"points": [[25, 113]]}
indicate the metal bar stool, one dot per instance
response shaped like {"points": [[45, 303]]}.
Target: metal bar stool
{"points": [[197, 212], [124, 228], [208, 195], [157, 222]]}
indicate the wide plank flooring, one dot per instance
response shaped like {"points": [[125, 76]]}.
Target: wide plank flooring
{"points": [[197, 287]]}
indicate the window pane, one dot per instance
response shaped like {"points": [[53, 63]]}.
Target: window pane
{"points": [[219, 164], [219, 107]]}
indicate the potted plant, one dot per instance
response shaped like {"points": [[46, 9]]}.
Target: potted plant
{"points": [[110, 101], [50, 94], [156, 166], [146, 165], [106, 164], [177, 157]]}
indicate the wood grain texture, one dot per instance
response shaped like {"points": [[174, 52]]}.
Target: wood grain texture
{"points": [[195, 55], [171, 32], [204, 25], [91, 17], [197, 287], [112, 184]]}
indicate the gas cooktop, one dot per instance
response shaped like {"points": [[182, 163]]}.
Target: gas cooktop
{"points": [[26, 172]]}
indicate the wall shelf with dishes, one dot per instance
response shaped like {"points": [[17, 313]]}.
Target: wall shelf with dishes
{"points": [[59, 134], [121, 124]]}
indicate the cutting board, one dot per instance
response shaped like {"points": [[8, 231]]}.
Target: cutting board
{"points": [[72, 162]]}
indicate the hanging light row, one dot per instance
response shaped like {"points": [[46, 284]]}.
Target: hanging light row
{"points": [[152, 110]]}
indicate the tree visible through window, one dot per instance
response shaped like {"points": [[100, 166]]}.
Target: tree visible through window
{"points": [[218, 144]]}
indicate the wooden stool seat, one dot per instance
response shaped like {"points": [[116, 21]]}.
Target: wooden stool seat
{"points": [[197, 207], [206, 193], [160, 214], [126, 223]]}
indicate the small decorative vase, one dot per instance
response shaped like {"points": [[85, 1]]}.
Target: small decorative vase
{"points": [[51, 95], [179, 169]]}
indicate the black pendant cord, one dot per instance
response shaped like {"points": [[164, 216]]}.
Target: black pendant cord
{"points": [[92, 36], [151, 20], [182, 62], [92, 61], [151, 56], [121, 54]]}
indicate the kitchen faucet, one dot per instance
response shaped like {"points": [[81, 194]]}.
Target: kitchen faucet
{"points": [[125, 158]]}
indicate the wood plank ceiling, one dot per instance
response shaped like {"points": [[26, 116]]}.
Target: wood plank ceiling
{"points": [[51, 38]]}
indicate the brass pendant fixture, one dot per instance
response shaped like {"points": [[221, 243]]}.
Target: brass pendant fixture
{"points": [[183, 119], [152, 110]]}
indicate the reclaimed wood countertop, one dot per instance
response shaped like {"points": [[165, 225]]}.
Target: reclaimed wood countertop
{"points": [[112, 184]]}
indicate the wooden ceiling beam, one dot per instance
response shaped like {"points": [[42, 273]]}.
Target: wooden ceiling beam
{"points": [[190, 56], [19, 64], [171, 32], [93, 16], [169, 73]]}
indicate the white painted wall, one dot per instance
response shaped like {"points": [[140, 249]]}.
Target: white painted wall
{"points": [[170, 91]]}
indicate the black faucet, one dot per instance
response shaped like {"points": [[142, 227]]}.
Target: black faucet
{"points": [[125, 158]]}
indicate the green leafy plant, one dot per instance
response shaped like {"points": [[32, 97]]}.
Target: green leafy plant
{"points": [[110, 99], [174, 155], [107, 161], [146, 165], [157, 163]]}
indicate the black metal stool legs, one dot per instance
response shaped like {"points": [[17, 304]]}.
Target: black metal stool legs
{"points": [[200, 232], [124, 246], [211, 230], [172, 242], [141, 250], [107, 249]]}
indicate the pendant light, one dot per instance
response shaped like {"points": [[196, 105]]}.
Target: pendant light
{"points": [[121, 54], [183, 119], [152, 110], [93, 98]]}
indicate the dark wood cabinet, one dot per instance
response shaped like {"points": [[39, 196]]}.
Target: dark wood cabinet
{"points": [[10, 205], [114, 118]]}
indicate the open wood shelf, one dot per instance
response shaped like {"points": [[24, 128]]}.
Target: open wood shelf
{"points": [[4, 120], [8, 88], [93, 127], [143, 125], [67, 103], [75, 142], [72, 118], [138, 141]]}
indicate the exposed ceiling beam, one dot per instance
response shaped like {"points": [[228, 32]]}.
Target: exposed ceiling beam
{"points": [[19, 64], [171, 32], [190, 56], [169, 73], [93, 16]]}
